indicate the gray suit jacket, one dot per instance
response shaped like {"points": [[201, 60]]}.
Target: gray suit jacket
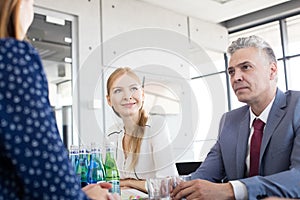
{"points": [[279, 156]]}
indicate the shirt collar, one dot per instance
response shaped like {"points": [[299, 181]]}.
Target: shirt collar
{"points": [[264, 115]]}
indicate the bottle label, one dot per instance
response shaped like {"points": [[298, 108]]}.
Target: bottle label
{"points": [[100, 182], [96, 171], [115, 186]]}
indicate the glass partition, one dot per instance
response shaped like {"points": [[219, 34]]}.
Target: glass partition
{"points": [[52, 34]]}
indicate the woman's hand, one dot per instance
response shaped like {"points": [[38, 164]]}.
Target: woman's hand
{"points": [[100, 191], [133, 183]]}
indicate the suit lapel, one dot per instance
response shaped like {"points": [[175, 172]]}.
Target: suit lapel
{"points": [[275, 116], [242, 144]]}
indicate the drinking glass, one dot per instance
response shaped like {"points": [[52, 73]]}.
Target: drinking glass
{"points": [[158, 188], [175, 180], [185, 177]]}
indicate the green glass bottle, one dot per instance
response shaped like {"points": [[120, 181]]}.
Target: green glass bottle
{"points": [[111, 170], [82, 167], [74, 156], [96, 173]]}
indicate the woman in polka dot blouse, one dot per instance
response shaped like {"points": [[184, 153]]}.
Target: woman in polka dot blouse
{"points": [[33, 161]]}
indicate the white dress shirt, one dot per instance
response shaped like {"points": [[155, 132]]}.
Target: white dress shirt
{"points": [[240, 190], [155, 157]]}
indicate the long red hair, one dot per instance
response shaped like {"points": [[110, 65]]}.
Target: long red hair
{"points": [[9, 19], [137, 136]]}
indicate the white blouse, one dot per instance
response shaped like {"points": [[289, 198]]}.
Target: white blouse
{"points": [[155, 158]]}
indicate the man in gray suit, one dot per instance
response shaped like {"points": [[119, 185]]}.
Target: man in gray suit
{"points": [[225, 173]]}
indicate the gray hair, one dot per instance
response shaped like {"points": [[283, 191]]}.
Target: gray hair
{"points": [[252, 41]]}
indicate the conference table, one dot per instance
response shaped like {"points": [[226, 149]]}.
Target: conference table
{"points": [[129, 193]]}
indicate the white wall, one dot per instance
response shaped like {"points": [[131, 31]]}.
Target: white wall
{"points": [[116, 33]]}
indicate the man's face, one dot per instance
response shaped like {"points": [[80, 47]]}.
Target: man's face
{"points": [[251, 75]]}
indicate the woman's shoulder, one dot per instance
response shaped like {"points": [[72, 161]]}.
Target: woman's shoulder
{"points": [[156, 127], [18, 53], [156, 122], [115, 130], [114, 134], [156, 119], [17, 46]]}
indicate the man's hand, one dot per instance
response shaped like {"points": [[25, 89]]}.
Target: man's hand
{"points": [[202, 189]]}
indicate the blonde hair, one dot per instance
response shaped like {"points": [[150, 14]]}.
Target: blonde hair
{"points": [[137, 135], [9, 19]]}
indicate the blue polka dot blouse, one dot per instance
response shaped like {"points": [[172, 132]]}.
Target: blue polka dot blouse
{"points": [[33, 161]]}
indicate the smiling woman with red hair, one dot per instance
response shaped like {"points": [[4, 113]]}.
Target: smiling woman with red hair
{"points": [[143, 144]]}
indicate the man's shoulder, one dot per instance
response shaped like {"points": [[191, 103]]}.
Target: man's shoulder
{"points": [[235, 115], [290, 97], [238, 111], [293, 93]]}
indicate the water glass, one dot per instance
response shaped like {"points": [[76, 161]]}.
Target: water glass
{"points": [[175, 180], [158, 188], [185, 177]]}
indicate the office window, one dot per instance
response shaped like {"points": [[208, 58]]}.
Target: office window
{"points": [[281, 76], [293, 52], [293, 72], [211, 95], [270, 32], [293, 30]]}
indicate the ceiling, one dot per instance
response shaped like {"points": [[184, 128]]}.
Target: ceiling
{"points": [[216, 11], [49, 38]]}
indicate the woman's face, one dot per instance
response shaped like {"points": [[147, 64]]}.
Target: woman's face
{"points": [[26, 15], [126, 96]]}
